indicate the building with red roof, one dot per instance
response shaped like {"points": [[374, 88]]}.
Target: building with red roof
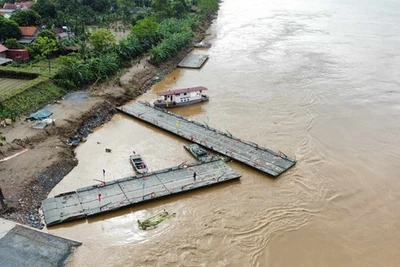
{"points": [[3, 55], [18, 54], [28, 34], [3, 51], [18, 5]]}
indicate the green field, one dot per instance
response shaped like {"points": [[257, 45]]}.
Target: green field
{"points": [[7, 84]]}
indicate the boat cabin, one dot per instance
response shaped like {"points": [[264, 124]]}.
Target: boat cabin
{"points": [[182, 95]]}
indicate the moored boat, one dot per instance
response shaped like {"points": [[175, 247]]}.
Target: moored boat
{"points": [[199, 153], [138, 163], [181, 97], [202, 45]]}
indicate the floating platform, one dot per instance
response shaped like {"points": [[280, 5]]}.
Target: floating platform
{"points": [[193, 61], [96, 199], [249, 153]]}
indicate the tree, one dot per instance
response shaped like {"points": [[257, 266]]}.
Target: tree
{"points": [[46, 33], [12, 43], [162, 7], [146, 30], [26, 17], [208, 6], [46, 9], [83, 50], [126, 4], [101, 38], [46, 47], [9, 29], [179, 8]]}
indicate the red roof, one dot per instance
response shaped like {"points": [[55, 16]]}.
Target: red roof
{"points": [[3, 48], [20, 4], [180, 91], [28, 31]]}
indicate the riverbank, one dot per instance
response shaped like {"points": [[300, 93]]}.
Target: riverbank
{"points": [[28, 178]]}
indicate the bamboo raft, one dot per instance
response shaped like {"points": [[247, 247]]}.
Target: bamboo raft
{"points": [[249, 153]]}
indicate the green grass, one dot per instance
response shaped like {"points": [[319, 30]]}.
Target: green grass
{"points": [[30, 99], [40, 67], [8, 84]]}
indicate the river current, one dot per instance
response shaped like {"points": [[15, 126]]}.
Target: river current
{"points": [[318, 80]]}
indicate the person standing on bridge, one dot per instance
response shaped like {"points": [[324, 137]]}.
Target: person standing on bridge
{"points": [[2, 204], [194, 176]]}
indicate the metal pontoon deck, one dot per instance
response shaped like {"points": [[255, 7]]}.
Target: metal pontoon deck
{"points": [[92, 200], [193, 61], [249, 153]]}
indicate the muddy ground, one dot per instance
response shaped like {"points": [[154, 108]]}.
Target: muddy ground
{"points": [[28, 178]]}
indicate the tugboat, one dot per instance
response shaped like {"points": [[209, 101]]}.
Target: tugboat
{"points": [[199, 153], [138, 163], [181, 97], [202, 155]]}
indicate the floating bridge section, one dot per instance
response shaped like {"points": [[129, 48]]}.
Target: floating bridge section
{"points": [[262, 159], [193, 61], [96, 199]]}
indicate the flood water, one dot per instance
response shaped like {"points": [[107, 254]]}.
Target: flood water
{"points": [[318, 80]]}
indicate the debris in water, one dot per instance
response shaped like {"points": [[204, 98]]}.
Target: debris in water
{"points": [[155, 220], [108, 150]]}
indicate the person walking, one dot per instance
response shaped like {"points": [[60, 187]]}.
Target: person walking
{"points": [[2, 204], [194, 176]]}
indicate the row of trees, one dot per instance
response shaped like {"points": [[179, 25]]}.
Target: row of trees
{"points": [[102, 57], [161, 33]]}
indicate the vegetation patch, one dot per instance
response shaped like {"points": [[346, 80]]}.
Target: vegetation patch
{"points": [[9, 84], [30, 99], [14, 73]]}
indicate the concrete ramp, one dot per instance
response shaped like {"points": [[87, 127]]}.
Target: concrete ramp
{"points": [[23, 246]]}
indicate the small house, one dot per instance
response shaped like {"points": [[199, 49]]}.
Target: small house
{"points": [[18, 5], [3, 55], [63, 34], [28, 34], [3, 51], [6, 12], [18, 54]]}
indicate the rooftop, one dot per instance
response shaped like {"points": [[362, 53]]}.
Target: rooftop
{"points": [[3, 48], [180, 91], [18, 5], [28, 31]]}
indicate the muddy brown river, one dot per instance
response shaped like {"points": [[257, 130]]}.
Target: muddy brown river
{"points": [[318, 80]]}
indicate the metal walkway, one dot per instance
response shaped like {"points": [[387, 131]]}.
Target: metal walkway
{"points": [[193, 61], [92, 200], [262, 159]]}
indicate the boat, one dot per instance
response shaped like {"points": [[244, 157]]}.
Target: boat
{"points": [[199, 153], [202, 45], [138, 163], [181, 97]]}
